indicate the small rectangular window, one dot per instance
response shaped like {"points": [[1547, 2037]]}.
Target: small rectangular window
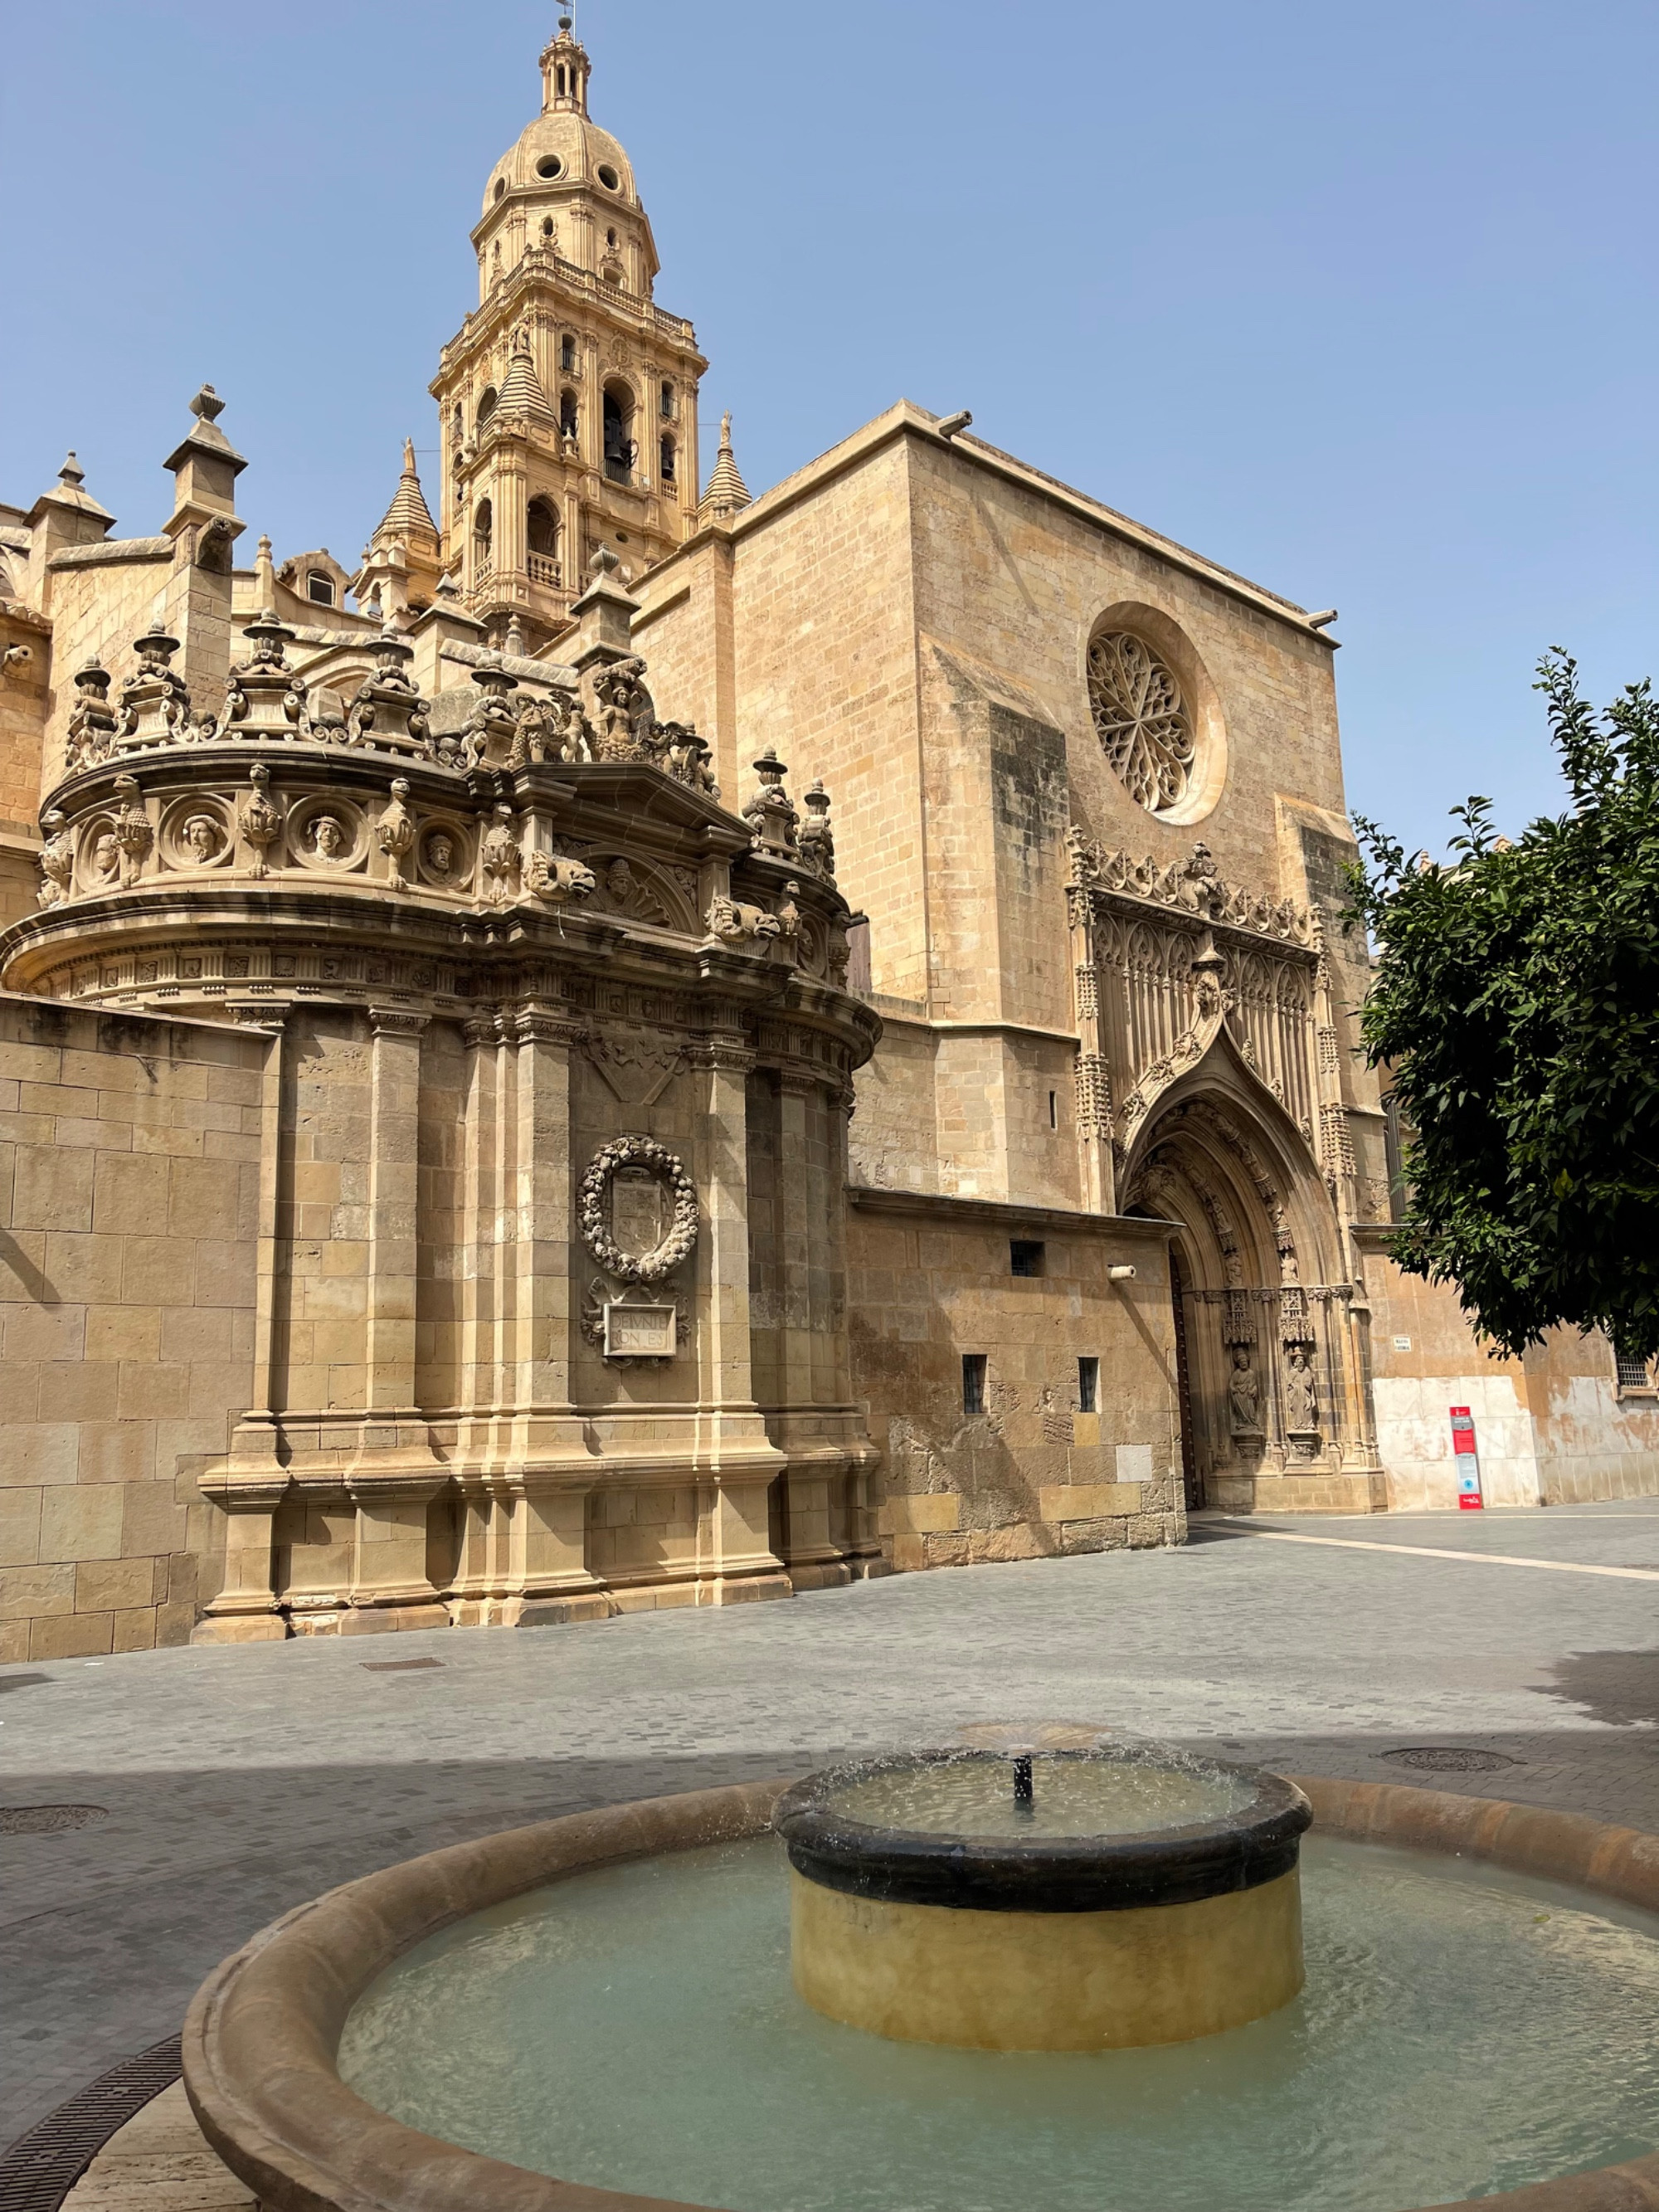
{"points": [[1024, 1257], [1088, 1382], [972, 1381], [1633, 1373], [667, 401], [1054, 1109]]}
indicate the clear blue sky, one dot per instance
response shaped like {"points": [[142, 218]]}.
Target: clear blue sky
{"points": [[1358, 300]]}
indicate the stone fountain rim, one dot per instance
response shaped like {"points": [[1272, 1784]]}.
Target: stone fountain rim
{"points": [[262, 2035], [1009, 1873]]}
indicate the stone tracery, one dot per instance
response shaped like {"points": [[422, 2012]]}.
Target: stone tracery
{"points": [[1141, 720]]}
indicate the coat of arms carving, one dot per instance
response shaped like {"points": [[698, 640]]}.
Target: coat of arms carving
{"points": [[638, 1065]]}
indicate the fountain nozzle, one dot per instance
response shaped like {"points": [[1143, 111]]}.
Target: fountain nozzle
{"points": [[1024, 1791]]}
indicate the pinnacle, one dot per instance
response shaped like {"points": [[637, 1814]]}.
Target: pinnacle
{"points": [[727, 492], [521, 390], [409, 515]]}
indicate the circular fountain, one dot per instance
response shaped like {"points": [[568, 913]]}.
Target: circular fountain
{"points": [[604, 2011], [1045, 1898]]}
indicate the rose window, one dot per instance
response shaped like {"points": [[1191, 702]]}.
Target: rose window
{"points": [[1141, 721]]}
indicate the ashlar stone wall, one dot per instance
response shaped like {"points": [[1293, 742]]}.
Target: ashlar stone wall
{"points": [[128, 1171], [1032, 1474]]}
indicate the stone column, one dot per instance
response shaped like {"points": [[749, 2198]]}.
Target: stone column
{"points": [[549, 1466], [734, 1464], [250, 1483]]}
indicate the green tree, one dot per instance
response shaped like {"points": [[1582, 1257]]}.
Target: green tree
{"points": [[1516, 1002]]}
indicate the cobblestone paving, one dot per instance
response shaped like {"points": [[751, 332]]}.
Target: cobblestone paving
{"points": [[235, 1783]]}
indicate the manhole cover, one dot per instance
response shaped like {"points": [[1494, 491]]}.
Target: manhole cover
{"points": [[47, 1820], [396, 1666], [1451, 1758]]}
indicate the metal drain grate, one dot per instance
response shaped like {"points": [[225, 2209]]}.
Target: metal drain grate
{"points": [[48, 1820], [1451, 1758], [396, 1666], [41, 2167]]}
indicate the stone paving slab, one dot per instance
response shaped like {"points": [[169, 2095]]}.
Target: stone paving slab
{"points": [[234, 1783]]}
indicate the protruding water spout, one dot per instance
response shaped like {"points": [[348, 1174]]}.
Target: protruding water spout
{"points": [[1024, 1790]]}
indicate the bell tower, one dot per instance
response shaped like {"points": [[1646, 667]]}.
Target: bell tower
{"points": [[568, 400]]}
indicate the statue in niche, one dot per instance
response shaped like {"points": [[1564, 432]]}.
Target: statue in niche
{"points": [[105, 858], [1244, 1388], [440, 855], [1301, 1391]]}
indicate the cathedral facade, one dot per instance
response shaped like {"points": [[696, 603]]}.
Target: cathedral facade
{"points": [[684, 1046]]}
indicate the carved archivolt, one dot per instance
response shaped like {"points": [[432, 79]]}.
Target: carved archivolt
{"points": [[594, 1210]]}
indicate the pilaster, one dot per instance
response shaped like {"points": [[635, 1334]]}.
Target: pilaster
{"points": [[736, 1465], [249, 1484]]}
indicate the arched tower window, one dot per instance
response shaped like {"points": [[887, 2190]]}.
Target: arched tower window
{"points": [[483, 529], [665, 401], [619, 449], [568, 353], [486, 399], [542, 526], [569, 419], [666, 461]]}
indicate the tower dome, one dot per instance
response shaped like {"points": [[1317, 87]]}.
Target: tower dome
{"points": [[564, 147]]}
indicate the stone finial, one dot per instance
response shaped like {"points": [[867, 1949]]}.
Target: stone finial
{"points": [[72, 473], [771, 813], [604, 613], [817, 841], [207, 406]]}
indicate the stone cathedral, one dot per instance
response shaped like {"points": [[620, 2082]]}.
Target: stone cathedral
{"points": [[646, 1046]]}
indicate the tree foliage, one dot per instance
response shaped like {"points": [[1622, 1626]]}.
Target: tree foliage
{"points": [[1517, 1003]]}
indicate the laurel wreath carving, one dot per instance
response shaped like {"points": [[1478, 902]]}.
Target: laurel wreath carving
{"points": [[592, 1208]]}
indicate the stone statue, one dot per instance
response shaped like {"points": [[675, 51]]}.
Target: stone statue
{"points": [[395, 833], [1301, 1391], [328, 839], [1244, 1387], [57, 860]]}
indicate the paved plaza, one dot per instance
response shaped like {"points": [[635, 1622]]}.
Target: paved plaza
{"points": [[1317, 1646]]}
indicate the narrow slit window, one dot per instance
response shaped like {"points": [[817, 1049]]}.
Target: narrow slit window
{"points": [[1088, 1383], [972, 1381], [1054, 1109], [1024, 1256]]}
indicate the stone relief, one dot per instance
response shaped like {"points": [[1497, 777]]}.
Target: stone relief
{"points": [[672, 1192], [638, 1064]]}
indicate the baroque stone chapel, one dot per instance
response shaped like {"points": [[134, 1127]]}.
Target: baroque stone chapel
{"points": [[647, 1046]]}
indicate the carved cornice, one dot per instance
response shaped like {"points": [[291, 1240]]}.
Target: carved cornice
{"points": [[1192, 891]]}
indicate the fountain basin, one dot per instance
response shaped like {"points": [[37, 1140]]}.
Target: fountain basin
{"points": [[1076, 1900], [262, 2041]]}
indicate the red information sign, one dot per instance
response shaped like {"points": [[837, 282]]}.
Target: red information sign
{"points": [[1467, 1461]]}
